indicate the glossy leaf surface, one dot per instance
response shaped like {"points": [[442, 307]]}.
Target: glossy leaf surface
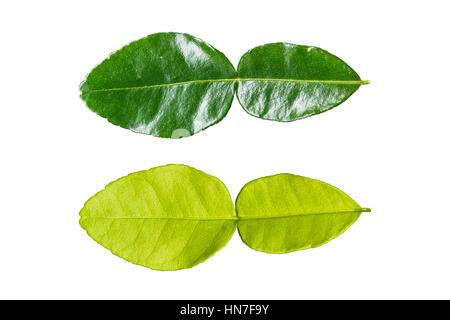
{"points": [[285, 213], [286, 82], [168, 85], [166, 218]]}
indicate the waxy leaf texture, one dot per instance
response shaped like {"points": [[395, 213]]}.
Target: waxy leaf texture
{"points": [[285, 213], [287, 82], [173, 85], [169, 85], [166, 218]]}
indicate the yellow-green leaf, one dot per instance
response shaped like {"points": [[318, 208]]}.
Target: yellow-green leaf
{"points": [[166, 218], [285, 213]]}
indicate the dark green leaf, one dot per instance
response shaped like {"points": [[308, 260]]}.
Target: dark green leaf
{"points": [[168, 85], [285, 213], [286, 82], [166, 218]]}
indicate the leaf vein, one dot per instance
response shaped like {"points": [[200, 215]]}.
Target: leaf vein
{"points": [[343, 82], [358, 210]]}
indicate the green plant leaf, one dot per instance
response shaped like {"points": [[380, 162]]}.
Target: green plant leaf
{"points": [[286, 82], [166, 218], [285, 213], [168, 85]]}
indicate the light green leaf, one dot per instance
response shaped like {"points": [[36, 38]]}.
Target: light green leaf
{"points": [[166, 218], [285, 213], [168, 85], [286, 82]]}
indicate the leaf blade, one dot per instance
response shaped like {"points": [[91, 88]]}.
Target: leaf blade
{"points": [[165, 218], [286, 82], [286, 213], [172, 76]]}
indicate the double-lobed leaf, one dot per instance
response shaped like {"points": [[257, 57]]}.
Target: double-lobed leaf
{"points": [[173, 85], [174, 217], [286, 212]]}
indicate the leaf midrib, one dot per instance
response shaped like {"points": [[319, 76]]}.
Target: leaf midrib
{"points": [[344, 82], [360, 210]]}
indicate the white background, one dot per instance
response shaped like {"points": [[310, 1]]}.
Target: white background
{"points": [[387, 147]]}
